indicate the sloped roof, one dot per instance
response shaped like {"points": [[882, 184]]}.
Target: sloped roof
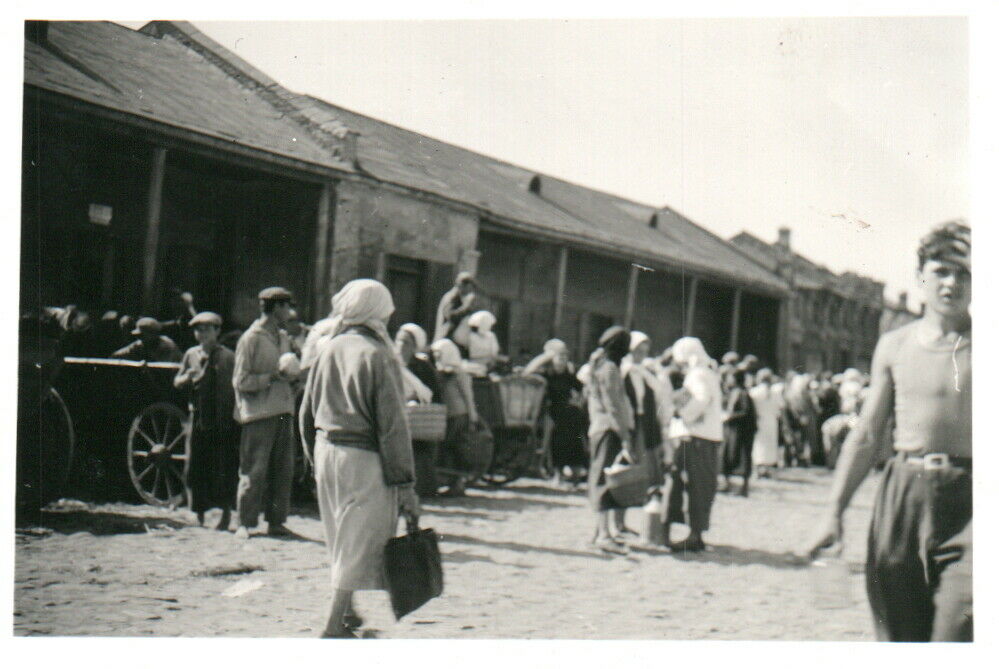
{"points": [[395, 154], [171, 73], [162, 80]]}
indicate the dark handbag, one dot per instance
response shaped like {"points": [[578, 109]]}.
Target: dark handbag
{"points": [[413, 569]]}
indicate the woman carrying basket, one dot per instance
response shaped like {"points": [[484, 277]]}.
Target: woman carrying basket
{"points": [[355, 433], [611, 425]]}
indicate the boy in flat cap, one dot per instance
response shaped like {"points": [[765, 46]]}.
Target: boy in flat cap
{"points": [[206, 371], [265, 404], [919, 551], [150, 346]]}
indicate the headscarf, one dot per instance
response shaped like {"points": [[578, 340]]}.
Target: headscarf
{"points": [[614, 343], [854, 375], [690, 351], [418, 334], [555, 346], [364, 302], [637, 339], [483, 321], [449, 357]]}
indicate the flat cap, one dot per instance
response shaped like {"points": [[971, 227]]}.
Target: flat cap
{"points": [[147, 325], [207, 318], [275, 293]]}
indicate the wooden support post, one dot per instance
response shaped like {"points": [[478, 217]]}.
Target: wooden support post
{"points": [[321, 280], [381, 265], [688, 325], [733, 342], [563, 266], [629, 310], [154, 204]]}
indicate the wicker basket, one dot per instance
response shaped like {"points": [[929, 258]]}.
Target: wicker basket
{"points": [[427, 422]]}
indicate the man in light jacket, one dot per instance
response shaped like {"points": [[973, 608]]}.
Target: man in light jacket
{"points": [[265, 405]]}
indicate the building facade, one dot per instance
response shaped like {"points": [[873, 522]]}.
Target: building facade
{"points": [[832, 321], [156, 161]]}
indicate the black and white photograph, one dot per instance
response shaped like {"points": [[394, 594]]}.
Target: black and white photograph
{"points": [[500, 328]]}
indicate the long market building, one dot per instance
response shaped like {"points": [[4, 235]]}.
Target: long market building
{"points": [[157, 161]]}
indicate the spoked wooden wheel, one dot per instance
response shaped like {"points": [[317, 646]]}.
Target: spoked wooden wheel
{"points": [[57, 442], [159, 453]]}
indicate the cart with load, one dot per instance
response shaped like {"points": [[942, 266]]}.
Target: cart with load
{"points": [[510, 406]]}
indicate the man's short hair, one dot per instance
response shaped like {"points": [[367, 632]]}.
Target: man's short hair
{"points": [[947, 242]]}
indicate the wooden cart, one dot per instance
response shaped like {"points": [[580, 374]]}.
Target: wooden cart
{"points": [[132, 425], [511, 407]]}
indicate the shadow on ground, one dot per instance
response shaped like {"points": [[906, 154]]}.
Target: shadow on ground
{"points": [[102, 523], [734, 556], [522, 548]]}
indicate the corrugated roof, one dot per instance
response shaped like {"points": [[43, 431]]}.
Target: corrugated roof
{"points": [[184, 79], [405, 157], [162, 80]]}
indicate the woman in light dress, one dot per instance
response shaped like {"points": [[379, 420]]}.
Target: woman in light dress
{"points": [[766, 399]]}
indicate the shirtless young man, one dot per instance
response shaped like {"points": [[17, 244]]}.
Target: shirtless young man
{"points": [[919, 548]]}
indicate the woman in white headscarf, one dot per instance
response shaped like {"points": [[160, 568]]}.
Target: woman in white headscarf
{"points": [[652, 405], [483, 347], [456, 389], [410, 342], [700, 409], [355, 433]]}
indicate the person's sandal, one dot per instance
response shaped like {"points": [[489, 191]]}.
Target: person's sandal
{"points": [[352, 621], [346, 634], [610, 546]]}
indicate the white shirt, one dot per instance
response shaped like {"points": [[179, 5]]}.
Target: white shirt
{"points": [[703, 413]]}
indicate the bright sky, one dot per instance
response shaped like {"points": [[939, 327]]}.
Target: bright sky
{"points": [[852, 132]]}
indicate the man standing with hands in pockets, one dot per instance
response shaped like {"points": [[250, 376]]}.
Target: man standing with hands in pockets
{"points": [[919, 555]]}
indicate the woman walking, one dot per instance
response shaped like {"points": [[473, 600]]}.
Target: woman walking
{"points": [[611, 425], [354, 431], [569, 423]]}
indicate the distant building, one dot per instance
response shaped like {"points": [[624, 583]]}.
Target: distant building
{"points": [[896, 314], [832, 321], [157, 161]]}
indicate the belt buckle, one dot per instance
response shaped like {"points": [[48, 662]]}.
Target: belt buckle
{"points": [[936, 461]]}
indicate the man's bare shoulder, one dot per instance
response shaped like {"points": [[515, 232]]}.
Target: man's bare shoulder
{"points": [[894, 338]]}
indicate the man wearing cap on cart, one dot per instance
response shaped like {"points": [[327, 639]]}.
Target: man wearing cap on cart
{"points": [[455, 308], [265, 404], [150, 346], [919, 546]]}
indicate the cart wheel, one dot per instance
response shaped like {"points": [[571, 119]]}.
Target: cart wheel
{"points": [[57, 442], [508, 462], [159, 453]]}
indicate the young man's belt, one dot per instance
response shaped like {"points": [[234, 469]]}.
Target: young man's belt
{"points": [[936, 460]]}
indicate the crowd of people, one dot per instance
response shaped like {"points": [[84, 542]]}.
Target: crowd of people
{"points": [[691, 423]]}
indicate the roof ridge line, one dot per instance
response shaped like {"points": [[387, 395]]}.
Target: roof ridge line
{"points": [[341, 143]]}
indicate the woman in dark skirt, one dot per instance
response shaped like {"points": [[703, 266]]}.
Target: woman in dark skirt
{"points": [[739, 431], [611, 426], [568, 446], [206, 370]]}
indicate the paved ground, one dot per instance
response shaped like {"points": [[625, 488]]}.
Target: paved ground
{"points": [[516, 566]]}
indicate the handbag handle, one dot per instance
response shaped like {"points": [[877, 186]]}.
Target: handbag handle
{"points": [[412, 524]]}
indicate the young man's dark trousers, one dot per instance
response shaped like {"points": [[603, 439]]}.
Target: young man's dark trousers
{"points": [[919, 555], [266, 470]]}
